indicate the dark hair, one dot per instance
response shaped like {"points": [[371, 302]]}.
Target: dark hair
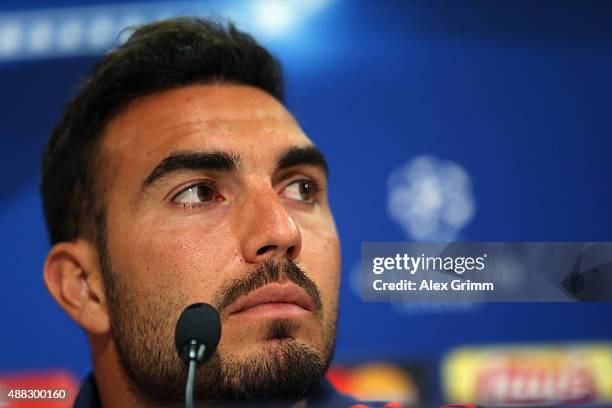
{"points": [[158, 56]]}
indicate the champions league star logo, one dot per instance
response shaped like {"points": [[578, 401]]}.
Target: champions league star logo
{"points": [[431, 198]]}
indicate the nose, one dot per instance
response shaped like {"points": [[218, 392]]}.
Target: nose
{"points": [[271, 231]]}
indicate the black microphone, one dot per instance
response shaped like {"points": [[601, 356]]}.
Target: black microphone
{"points": [[197, 335]]}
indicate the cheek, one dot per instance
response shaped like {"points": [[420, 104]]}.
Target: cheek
{"points": [[188, 263], [320, 256]]}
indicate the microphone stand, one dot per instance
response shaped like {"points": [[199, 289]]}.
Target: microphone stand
{"points": [[196, 338], [195, 355]]}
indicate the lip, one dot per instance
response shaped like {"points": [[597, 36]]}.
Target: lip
{"points": [[273, 298]]}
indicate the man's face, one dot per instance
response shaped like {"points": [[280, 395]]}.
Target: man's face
{"points": [[214, 194]]}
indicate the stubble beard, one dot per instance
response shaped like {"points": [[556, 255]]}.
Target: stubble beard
{"points": [[286, 370]]}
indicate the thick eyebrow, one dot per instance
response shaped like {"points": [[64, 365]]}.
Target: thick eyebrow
{"points": [[187, 160], [296, 156]]}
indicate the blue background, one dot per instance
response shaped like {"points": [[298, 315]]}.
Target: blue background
{"points": [[518, 93]]}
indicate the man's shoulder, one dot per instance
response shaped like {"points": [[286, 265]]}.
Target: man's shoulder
{"points": [[88, 396], [326, 396]]}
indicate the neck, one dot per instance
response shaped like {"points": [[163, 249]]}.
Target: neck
{"points": [[113, 386]]}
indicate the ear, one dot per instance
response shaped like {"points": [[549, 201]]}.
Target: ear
{"points": [[73, 276]]}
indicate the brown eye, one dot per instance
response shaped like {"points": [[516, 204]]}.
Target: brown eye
{"points": [[301, 190], [204, 192], [195, 195], [306, 190]]}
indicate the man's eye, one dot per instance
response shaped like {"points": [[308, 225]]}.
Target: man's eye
{"points": [[302, 190], [195, 195]]}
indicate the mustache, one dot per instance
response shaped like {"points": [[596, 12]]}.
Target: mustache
{"points": [[269, 272]]}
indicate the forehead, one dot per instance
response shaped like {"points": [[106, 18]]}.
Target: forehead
{"points": [[218, 117]]}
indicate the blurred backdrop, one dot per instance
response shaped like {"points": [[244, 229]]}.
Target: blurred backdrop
{"points": [[467, 120]]}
